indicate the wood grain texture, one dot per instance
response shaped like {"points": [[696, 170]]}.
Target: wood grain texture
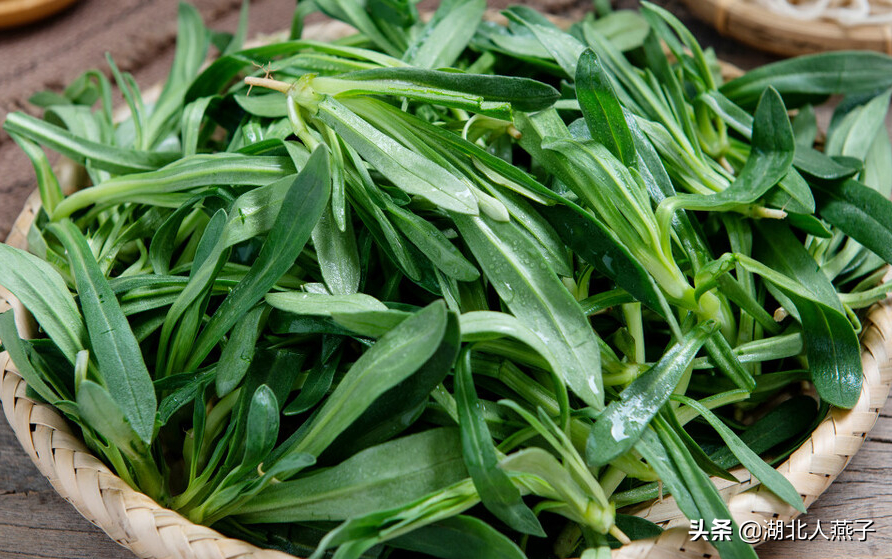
{"points": [[862, 492], [34, 520]]}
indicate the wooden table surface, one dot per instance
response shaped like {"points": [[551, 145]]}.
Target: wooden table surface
{"points": [[34, 520]]}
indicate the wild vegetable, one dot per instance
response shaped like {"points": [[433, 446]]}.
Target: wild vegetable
{"points": [[452, 288]]}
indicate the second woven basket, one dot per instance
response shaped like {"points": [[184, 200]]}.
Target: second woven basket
{"points": [[763, 29]]}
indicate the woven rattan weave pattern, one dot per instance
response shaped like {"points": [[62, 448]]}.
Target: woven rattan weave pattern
{"points": [[751, 23]]}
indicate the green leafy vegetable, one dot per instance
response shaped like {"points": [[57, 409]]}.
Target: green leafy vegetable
{"points": [[329, 297]]}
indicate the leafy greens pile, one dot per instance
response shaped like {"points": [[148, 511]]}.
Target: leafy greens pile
{"points": [[449, 287]]}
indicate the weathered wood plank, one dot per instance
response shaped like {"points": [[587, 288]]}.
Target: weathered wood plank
{"points": [[42, 524], [17, 473]]}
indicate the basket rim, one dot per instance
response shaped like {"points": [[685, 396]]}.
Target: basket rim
{"points": [[149, 530], [766, 30]]}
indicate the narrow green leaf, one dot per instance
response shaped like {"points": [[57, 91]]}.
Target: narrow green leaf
{"points": [[337, 254], [832, 347], [304, 9], [857, 129], [626, 29], [443, 39], [220, 73], [133, 98], [18, 352], [790, 418], [402, 405], [560, 485], [358, 535], [473, 91], [193, 41], [480, 326], [666, 102], [307, 196], [279, 369], [777, 247], [235, 44], [598, 246], [262, 427], [770, 159], [723, 358], [709, 503], [653, 450], [355, 14], [268, 105], [497, 493], [370, 323], [254, 212], [238, 352], [877, 172], [816, 74], [602, 110], [834, 354], [664, 24], [805, 126], [546, 238], [620, 426], [163, 241], [185, 394], [537, 297], [563, 47], [395, 356], [433, 243], [770, 478], [323, 305], [315, 387], [408, 170], [102, 156], [184, 175], [737, 118], [860, 212], [636, 528], [813, 163], [182, 321], [806, 159], [704, 462], [492, 165], [117, 352], [193, 116], [47, 184], [102, 413], [381, 477], [43, 292]]}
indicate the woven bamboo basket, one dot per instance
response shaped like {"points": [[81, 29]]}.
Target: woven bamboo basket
{"points": [[153, 532], [758, 27]]}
